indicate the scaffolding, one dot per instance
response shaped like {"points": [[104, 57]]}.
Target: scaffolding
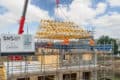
{"points": [[75, 57], [105, 64], [61, 55]]}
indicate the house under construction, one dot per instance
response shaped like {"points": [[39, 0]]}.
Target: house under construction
{"points": [[63, 51]]}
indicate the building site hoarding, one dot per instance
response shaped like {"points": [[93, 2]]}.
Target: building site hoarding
{"points": [[15, 44]]}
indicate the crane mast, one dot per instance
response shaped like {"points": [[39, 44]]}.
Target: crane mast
{"points": [[22, 20]]}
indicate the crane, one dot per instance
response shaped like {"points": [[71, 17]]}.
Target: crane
{"points": [[22, 20]]}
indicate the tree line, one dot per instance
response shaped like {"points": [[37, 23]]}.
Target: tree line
{"points": [[109, 40]]}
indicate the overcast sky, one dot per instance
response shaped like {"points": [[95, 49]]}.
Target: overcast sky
{"points": [[101, 15]]}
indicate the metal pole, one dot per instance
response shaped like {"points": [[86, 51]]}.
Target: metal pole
{"points": [[22, 21], [7, 68], [113, 66], [26, 68]]}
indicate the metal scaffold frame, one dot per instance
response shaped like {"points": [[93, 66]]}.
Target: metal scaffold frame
{"points": [[56, 58], [60, 61], [106, 64]]}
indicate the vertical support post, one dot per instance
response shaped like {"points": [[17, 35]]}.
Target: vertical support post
{"points": [[104, 61], [44, 64], [95, 64], [7, 68], [60, 76], [26, 68], [113, 63], [78, 76]]}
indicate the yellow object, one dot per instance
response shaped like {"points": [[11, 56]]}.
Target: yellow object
{"points": [[60, 30], [49, 61], [2, 73], [87, 57]]}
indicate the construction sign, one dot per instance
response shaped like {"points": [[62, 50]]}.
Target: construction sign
{"points": [[17, 44]]}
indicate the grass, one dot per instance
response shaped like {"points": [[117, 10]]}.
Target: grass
{"points": [[117, 79]]}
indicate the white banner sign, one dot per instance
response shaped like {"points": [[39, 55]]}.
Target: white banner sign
{"points": [[17, 43]]}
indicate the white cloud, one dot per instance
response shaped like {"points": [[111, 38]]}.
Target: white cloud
{"points": [[114, 2], [36, 14], [101, 7], [15, 8], [80, 11], [108, 25], [8, 19]]}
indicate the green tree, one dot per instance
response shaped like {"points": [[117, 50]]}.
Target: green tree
{"points": [[108, 40]]}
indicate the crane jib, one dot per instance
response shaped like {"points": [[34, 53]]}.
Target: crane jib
{"points": [[22, 21]]}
